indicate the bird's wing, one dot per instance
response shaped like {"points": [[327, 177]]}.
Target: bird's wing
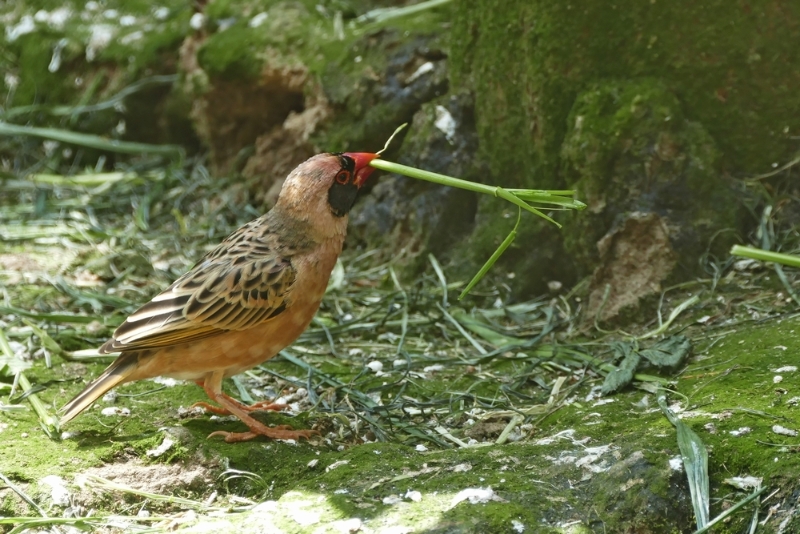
{"points": [[243, 282]]}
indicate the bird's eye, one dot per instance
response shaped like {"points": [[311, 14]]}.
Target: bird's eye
{"points": [[343, 177]]}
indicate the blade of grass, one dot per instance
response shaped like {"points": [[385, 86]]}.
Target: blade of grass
{"points": [[493, 258], [729, 511], [48, 422], [440, 275], [505, 195], [765, 255], [672, 316], [483, 330], [695, 462], [91, 522], [89, 141], [108, 485], [461, 329], [441, 179], [383, 14], [50, 317], [13, 487], [404, 324], [59, 111]]}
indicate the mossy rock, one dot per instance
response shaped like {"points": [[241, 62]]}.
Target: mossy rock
{"points": [[732, 75], [657, 200], [250, 80]]}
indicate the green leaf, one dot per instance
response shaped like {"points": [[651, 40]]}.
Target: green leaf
{"points": [[10, 365], [622, 375], [493, 258], [483, 330], [695, 462], [669, 352], [89, 141]]}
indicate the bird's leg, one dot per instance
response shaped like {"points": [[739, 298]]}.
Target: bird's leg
{"points": [[255, 407], [213, 388]]}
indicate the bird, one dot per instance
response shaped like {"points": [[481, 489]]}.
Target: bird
{"points": [[244, 301]]}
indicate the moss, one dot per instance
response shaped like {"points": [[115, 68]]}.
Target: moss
{"points": [[363, 78], [729, 73], [37, 85], [293, 29], [630, 148], [735, 372]]}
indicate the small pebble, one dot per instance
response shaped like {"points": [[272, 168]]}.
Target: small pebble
{"points": [[113, 410], [413, 496], [783, 431]]}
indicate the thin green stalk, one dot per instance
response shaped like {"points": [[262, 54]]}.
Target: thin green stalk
{"points": [[672, 316], [387, 13], [23, 524], [560, 197], [106, 104], [48, 422], [765, 255], [13, 487], [404, 325], [493, 258], [730, 510], [89, 141], [461, 329], [440, 275], [109, 485], [515, 420]]}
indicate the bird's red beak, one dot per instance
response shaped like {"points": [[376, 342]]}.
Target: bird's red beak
{"points": [[363, 170]]}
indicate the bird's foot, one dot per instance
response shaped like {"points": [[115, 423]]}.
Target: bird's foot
{"points": [[275, 432], [264, 406], [255, 407], [231, 406]]}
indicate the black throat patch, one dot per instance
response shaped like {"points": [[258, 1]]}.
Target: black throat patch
{"points": [[342, 196]]}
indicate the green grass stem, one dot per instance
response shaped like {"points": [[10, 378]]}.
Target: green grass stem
{"points": [[519, 197], [48, 422], [89, 141], [765, 255]]}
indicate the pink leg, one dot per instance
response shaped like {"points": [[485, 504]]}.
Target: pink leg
{"points": [[213, 388]]}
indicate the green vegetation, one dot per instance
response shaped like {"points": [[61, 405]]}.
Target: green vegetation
{"points": [[448, 376]]}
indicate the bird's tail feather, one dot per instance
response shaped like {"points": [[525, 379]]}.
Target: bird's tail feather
{"points": [[115, 374]]}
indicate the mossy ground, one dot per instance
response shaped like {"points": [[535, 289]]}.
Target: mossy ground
{"points": [[605, 466]]}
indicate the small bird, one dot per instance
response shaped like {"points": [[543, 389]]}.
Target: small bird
{"points": [[246, 300]]}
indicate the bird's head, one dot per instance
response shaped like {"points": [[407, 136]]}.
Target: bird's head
{"points": [[322, 189]]}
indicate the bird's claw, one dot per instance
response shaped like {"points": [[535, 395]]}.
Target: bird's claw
{"points": [[275, 432], [255, 407]]}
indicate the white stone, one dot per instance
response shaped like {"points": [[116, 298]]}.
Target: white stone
{"points": [[59, 493], [197, 21], [25, 25], [258, 20], [445, 123], [473, 495]]}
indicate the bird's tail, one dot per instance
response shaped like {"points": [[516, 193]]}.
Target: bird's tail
{"points": [[115, 374]]}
